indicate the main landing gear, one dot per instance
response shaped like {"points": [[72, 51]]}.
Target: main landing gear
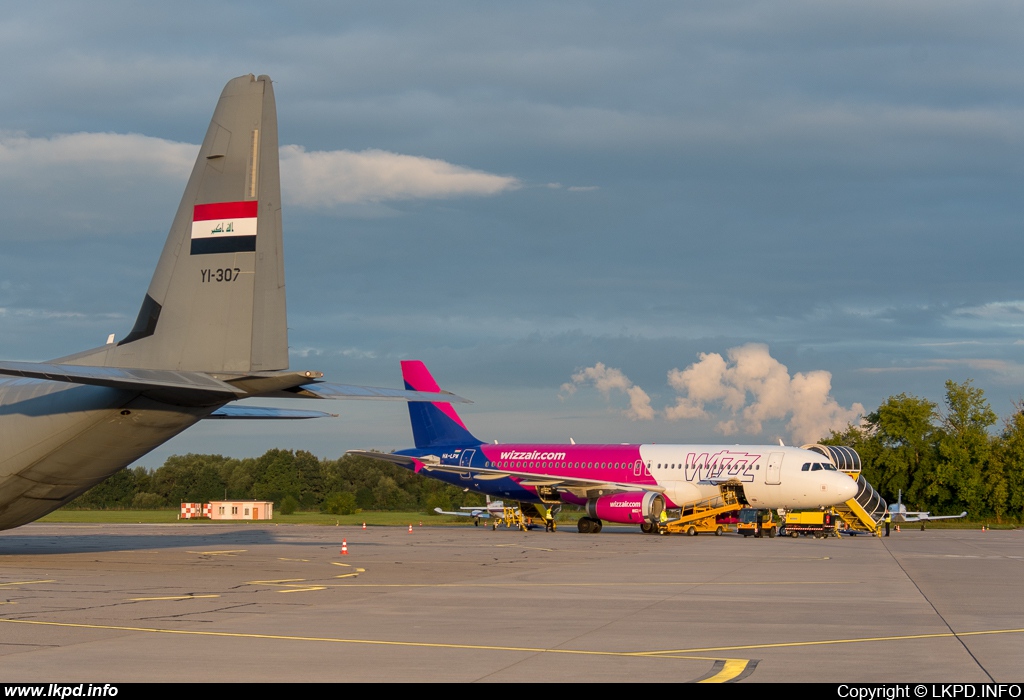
{"points": [[586, 525]]}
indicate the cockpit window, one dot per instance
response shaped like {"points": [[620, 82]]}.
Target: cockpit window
{"points": [[806, 468]]}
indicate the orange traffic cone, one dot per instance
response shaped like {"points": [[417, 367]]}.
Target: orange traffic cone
{"points": [[344, 546], [421, 523], [364, 526], [410, 527]]}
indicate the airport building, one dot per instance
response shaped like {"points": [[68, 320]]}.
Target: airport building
{"points": [[241, 510], [228, 510]]}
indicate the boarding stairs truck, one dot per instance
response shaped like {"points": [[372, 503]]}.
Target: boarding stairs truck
{"points": [[865, 512]]}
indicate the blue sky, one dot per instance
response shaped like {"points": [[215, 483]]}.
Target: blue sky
{"points": [[730, 222]]}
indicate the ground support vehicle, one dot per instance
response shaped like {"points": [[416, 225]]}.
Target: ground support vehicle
{"points": [[818, 523], [510, 517], [701, 516], [749, 523]]}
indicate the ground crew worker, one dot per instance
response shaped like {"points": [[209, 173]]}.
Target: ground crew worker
{"points": [[888, 519], [662, 519], [549, 521]]}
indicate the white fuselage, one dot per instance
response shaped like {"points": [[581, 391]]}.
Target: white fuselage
{"points": [[771, 477]]}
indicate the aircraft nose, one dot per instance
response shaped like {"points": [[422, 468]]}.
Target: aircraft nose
{"points": [[845, 487]]}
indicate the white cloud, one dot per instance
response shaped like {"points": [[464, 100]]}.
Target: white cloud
{"points": [[329, 178], [1008, 372], [997, 315], [608, 379], [22, 155], [317, 179], [753, 387]]}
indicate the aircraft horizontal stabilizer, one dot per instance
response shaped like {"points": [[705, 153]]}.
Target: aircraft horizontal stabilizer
{"points": [[327, 390], [264, 413], [400, 460], [138, 380]]}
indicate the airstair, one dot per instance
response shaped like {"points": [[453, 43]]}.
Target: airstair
{"points": [[864, 512], [510, 517], [700, 516]]}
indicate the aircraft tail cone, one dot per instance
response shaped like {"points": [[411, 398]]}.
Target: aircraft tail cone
{"points": [[344, 547]]}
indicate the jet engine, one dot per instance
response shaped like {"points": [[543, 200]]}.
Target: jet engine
{"points": [[627, 507]]}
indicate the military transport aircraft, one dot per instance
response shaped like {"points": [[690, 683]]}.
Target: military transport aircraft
{"points": [[616, 483], [211, 330]]}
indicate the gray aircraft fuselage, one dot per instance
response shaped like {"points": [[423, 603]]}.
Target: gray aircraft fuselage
{"points": [[60, 439]]}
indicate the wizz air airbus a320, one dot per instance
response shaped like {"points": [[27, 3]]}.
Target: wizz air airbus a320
{"points": [[616, 483], [211, 330]]}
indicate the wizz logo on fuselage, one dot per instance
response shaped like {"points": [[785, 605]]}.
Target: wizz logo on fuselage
{"points": [[721, 465]]}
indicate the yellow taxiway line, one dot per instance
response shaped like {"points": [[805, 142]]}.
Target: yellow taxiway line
{"points": [[179, 597], [731, 668], [582, 584], [821, 642], [223, 551], [25, 583], [728, 670]]}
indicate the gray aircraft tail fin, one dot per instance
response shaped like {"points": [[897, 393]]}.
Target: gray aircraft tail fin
{"points": [[216, 302]]}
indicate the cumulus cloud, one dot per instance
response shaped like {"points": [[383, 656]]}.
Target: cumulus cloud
{"points": [[608, 379], [752, 387], [329, 178]]}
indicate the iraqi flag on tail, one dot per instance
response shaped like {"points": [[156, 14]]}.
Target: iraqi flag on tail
{"points": [[224, 227]]}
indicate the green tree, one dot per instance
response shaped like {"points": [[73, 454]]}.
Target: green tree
{"points": [[387, 495], [289, 505], [310, 474], [191, 478], [147, 501], [903, 456], [238, 477], [438, 499], [966, 474], [339, 503], [1009, 451], [275, 476], [116, 492]]}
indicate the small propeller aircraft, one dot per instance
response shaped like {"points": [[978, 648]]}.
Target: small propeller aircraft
{"points": [[899, 513], [492, 509]]}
